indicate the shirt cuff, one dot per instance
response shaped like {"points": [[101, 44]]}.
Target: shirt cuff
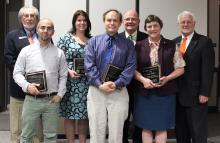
{"points": [[118, 84], [97, 83], [61, 96], [24, 88]]}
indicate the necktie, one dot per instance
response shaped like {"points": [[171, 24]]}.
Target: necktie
{"points": [[130, 37], [108, 52], [182, 48], [30, 38]]}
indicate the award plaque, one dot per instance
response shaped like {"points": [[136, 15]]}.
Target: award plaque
{"points": [[112, 73], [153, 73], [79, 65], [38, 78]]}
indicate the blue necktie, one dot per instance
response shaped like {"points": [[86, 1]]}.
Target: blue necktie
{"points": [[108, 52]]}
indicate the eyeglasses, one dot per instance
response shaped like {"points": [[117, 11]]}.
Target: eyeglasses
{"points": [[185, 22], [130, 19], [28, 15], [48, 28]]}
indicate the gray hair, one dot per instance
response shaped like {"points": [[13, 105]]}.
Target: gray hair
{"points": [[184, 13], [24, 9]]}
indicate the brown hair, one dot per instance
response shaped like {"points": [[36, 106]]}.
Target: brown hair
{"points": [[110, 10], [151, 18]]}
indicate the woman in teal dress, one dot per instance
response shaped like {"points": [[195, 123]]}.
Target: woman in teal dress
{"points": [[73, 104]]}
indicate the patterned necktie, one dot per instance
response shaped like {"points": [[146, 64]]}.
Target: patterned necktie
{"points": [[108, 52], [130, 37], [30, 38], [182, 48]]}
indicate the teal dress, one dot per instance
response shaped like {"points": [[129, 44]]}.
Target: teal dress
{"points": [[73, 104]]}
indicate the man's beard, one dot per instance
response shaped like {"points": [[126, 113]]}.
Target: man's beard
{"points": [[29, 27], [45, 38]]}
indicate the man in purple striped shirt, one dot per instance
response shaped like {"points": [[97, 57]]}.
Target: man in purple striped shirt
{"points": [[108, 101]]}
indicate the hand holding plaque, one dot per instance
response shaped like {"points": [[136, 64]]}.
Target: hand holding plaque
{"points": [[38, 78], [153, 73], [79, 65], [112, 73]]}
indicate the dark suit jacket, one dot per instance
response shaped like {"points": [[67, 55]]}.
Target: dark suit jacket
{"points": [[14, 42], [140, 36], [197, 79]]}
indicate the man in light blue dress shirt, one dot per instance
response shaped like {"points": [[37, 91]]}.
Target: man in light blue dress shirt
{"points": [[41, 56]]}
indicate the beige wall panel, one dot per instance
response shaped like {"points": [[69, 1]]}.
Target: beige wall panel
{"points": [[168, 10], [98, 7], [61, 13]]}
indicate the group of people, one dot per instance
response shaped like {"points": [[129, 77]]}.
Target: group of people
{"points": [[178, 100]]}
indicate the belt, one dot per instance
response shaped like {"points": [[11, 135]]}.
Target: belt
{"points": [[43, 95]]}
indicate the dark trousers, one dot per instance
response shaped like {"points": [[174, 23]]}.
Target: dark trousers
{"points": [[191, 124], [137, 133]]}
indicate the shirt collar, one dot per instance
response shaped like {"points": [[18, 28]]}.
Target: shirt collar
{"points": [[189, 37], [107, 36], [28, 31], [48, 45], [151, 43], [134, 35]]}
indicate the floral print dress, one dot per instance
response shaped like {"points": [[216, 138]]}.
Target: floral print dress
{"points": [[73, 104]]}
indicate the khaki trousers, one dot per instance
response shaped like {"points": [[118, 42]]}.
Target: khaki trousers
{"points": [[107, 109], [15, 111]]}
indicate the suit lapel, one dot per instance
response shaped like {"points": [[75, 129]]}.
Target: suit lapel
{"points": [[24, 36], [191, 46], [124, 34], [138, 36], [178, 41]]}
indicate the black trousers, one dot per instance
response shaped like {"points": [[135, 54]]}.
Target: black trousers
{"points": [[191, 123], [137, 133]]}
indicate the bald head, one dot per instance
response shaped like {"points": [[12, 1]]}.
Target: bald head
{"points": [[45, 30], [47, 21], [131, 12], [131, 21]]}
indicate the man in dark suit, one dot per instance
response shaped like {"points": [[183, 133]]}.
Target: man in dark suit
{"points": [[195, 85], [131, 22], [15, 40]]}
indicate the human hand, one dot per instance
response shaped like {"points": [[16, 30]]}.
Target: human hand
{"points": [[148, 84], [32, 89], [55, 99], [108, 86], [203, 99], [163, 81], [73, 74]]}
